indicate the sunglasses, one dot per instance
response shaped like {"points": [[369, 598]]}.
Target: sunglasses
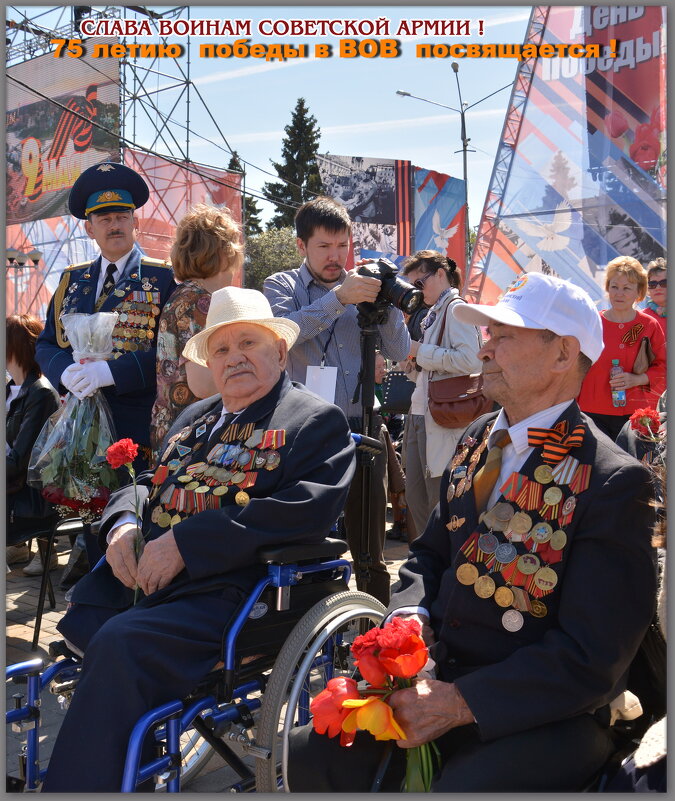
{"points": [[419, 284], [651, 284]]}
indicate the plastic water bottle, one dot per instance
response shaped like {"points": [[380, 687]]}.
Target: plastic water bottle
{"points": [[618, 395]]}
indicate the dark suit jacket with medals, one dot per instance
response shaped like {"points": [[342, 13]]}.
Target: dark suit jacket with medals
{"points": [[289, 453], [578, 636], [138, 296]]}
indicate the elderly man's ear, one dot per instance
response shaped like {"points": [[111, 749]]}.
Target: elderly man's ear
{"points": [[568, 354], [283, 352]]}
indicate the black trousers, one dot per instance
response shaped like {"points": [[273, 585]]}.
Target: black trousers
{"points": [[560, 756], [377, 582], [138, 659]]}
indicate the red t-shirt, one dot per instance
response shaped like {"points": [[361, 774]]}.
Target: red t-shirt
{"points": [[622, 341]]}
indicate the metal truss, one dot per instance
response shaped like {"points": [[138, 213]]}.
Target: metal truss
{"points": [[501, 170]]}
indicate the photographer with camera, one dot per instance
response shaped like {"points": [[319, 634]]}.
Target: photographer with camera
{"points": [[333, 308]]}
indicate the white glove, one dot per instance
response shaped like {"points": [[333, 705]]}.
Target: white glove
{"points": [[69, 376], [86, 378]]}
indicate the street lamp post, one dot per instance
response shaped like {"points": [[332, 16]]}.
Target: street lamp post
{"points": [[463, 108]]}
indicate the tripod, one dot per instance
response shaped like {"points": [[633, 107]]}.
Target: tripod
{"points": [[369, 315]]}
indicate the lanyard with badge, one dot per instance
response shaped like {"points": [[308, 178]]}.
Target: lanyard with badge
{"points": [[322, 380]]}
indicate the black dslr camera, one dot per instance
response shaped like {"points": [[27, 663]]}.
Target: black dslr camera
{"points": [[393, 292]]}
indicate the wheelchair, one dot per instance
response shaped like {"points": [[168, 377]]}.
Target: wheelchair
{"points": [[287, 639]]}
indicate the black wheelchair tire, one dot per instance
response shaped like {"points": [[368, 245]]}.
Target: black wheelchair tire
{"points": [[280, 701]]}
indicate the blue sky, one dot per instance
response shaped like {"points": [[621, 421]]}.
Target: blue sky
{"points": [[353, 100]]}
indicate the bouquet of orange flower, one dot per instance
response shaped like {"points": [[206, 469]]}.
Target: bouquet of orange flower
{"points": [[388, 658], [122, 454]]}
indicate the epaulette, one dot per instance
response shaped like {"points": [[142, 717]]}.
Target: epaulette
{"points": [[77, 266], [147, 261]]}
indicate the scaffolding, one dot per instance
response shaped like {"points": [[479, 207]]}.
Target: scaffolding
{"points": [[501, 170]]}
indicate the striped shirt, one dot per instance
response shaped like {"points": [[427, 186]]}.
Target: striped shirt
{"points": [[327, 327]]}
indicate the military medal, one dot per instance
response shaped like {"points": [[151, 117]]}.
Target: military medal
{"points": [[503, 597], [541, 533], [488, 543], [164, 520], [545, 579], [184, 479], [505, 553], [552, 496], [156, 512], [558, 540], [543, 474], [484, 587], [200, 430], [569, 505], [221, 490], [538, 609], [241, 498], [512, 620], [455, 523], [176, 519], [273, 460], [528, 563], [467, 574], [451, 491]]}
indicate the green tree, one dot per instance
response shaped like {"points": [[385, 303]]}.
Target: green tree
{"points": [[251, 211], [298, 170], [269, 252]]}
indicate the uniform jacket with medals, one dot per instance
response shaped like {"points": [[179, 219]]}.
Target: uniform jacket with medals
{"points": [[287, 485], [570, 651], [138, 296]]}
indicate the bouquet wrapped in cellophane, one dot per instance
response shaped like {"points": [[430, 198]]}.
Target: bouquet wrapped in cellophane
{"points": [[68, 462]]}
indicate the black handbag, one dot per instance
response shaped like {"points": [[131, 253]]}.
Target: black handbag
{"points": [[397, 391]]}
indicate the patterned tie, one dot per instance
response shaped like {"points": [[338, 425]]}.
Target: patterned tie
{"points": [[486, 478], [108, 284]]}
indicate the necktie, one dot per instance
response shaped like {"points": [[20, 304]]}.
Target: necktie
{"points": [[109, 282], [486, 478]]}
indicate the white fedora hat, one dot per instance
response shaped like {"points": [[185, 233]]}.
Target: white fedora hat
{"points": [[233, 304]]}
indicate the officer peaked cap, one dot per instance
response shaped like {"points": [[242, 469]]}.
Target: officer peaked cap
{"points": [[107, 186]]}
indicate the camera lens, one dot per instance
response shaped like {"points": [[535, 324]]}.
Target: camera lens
{"points": [[402, 294]]}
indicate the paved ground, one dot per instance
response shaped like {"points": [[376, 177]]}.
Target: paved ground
{"points": [[21, 604]]}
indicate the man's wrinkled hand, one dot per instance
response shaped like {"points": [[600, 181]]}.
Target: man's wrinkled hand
{"points": [[121, 554], [427, 710], [427, 631], [159, 564]]}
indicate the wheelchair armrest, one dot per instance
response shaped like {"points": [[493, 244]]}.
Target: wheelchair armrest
{"points": [[287, 554]]}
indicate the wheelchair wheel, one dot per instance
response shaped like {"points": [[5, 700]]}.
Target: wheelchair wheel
{"points": [[317, 650]]}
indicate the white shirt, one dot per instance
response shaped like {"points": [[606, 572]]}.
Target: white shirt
{"points": [[119, 264], [514, 456]]}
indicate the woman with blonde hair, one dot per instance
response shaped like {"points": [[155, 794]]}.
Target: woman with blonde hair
{"points": [[206, 254], [623, 330]]}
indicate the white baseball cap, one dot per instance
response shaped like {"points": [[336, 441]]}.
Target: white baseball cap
{"points": [[535, 300]]}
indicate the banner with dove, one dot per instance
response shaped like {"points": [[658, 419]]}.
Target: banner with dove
{"points": [[397, 208], [587, 181], [440, 214]]}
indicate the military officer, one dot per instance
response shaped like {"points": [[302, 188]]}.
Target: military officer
{"points": [[120, 280]]}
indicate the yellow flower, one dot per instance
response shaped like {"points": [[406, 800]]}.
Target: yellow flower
{"points": [[373, 715]]}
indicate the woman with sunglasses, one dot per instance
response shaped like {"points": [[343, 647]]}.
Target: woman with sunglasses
{"points": [[623, 329], [447, 348], [657, 294]]}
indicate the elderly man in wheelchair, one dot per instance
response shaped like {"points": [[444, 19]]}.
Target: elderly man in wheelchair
{"points": [[265, 466]]}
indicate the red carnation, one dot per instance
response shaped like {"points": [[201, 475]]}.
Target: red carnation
{"points": [[122, 452], [646, 422]]}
